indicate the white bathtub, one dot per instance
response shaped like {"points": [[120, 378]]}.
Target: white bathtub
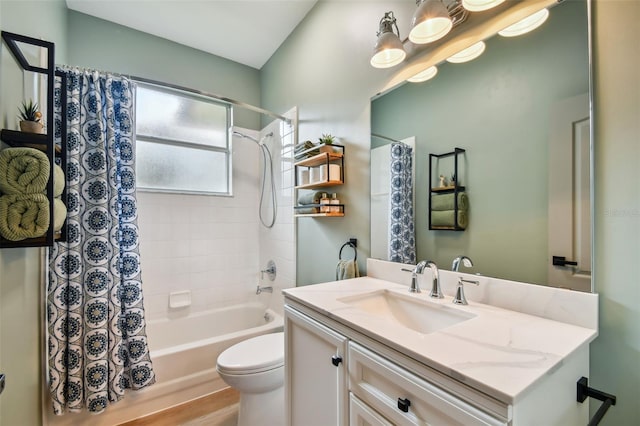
{"points": [[184, 353]]}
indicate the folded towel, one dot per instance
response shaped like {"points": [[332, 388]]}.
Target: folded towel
{"points": [[59, 214], [23, 216], [444, 218], [23, 171], [312, 197], [346, 269], [307, 210], [58, 180], [445, 201]]}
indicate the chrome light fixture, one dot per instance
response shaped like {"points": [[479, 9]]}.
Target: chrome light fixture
{"points": [[431, 22], [529, 23], [425, 75], [468, 54], [388, 50], [480, 5]]}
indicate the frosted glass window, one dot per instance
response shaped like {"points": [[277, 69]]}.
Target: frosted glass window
{"points": [[182, 141], [174, 116], [181, 169]]}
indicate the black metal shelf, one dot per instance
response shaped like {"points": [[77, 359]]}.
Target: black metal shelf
{"points": [[43, 142], [454, 189]]}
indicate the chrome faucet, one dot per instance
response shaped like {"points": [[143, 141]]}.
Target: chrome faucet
{"points": [[268, 289], [419, 269], [465, 261], [460, 299], [436, 291]]}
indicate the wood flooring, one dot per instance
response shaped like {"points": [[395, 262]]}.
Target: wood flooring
{"points": [[216, 409]]}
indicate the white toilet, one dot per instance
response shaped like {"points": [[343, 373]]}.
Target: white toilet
{"points": [[255, 368]]}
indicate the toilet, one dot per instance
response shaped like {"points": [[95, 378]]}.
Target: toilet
{"points": [[255, 368]]}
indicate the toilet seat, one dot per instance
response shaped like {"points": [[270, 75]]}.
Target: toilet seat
{"points": [[255, 355]]}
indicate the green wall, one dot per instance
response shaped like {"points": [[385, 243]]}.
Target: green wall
{"points": [[615, 355], [99, 44], [20, 283], [497, 107]]}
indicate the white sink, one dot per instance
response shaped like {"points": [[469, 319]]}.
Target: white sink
{"points": [[411, 311]]}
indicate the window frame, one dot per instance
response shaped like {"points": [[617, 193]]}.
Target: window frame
{"points": [[227, 150]]}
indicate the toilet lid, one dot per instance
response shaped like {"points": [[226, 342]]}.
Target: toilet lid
{"points": [[260, 353]]}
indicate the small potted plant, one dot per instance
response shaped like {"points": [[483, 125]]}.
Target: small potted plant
{"points": [[30, 118], [326, 141]]}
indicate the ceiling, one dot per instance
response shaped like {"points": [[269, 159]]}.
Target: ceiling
{"points": [[245, 31]]}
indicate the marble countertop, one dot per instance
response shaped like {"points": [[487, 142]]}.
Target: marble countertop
{"points": [[499, 352]]}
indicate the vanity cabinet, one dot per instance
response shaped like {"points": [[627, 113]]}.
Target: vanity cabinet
{"points": [[315, 372], [379, 384]]}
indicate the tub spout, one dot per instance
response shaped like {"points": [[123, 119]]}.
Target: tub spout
{"points": [[259, 289]]}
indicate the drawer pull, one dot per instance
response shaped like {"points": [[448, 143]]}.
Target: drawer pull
{"points": [[336, 360], [403, 404]]}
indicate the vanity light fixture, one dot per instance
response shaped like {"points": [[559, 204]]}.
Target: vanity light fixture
{"points": [[468, 54], [425, 75], [529, 23], [431, 22], [480, 5], [388, 50]]}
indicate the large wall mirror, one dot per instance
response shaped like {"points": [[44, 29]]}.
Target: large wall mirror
{"points": [[521, 113]]}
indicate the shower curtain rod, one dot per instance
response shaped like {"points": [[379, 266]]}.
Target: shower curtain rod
{"points": [[375, 135], [211, 95]]}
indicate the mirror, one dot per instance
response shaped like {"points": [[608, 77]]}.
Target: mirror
{"points": [[521, 113]]}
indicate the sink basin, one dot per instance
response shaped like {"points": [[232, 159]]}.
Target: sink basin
{"points": [[407, 310]]}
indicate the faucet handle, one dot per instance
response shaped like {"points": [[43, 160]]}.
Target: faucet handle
{"points": [[460, 298]]}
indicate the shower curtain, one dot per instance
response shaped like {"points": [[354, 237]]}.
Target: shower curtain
{"points": [[96, 324], [402, 237]]}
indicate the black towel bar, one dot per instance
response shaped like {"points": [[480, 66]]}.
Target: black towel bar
{"points": [[585, 391], [353, 243]]}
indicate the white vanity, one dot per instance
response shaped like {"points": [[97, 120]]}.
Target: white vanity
{"points": [[368, 352]]}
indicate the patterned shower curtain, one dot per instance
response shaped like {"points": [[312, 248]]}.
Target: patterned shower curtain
{"points": [[402, 236], [96, 323]]}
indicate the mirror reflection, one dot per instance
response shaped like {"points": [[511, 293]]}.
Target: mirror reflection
{"points": [[521, 113]]}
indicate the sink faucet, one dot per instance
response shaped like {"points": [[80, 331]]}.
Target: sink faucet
{"points": [[465, 261], [419, 269], [436, 291]]}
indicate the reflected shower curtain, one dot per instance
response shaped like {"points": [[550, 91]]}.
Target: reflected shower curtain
{"points": [[402, 236], [96, 323]]}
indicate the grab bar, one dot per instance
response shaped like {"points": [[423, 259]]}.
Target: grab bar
{"points": [[353, 243]]}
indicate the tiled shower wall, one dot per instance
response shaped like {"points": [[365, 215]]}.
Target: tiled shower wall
{"points": [[278, 243], [211, 245]]}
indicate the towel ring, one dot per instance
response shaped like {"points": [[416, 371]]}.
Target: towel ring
{"points": [[351, 244]]}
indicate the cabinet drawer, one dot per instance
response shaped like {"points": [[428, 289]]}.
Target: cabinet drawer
{"points": [[360, 414], [404, 398]]}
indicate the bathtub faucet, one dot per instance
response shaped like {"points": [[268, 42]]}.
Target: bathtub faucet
{"points": [[259, 289]]}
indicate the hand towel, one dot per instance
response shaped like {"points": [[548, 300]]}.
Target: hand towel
{"points": [[445, 201], [23, 216], [23, 171], [59, 214], [346, 269], [444, 218], [312, 197], [58, 180]]}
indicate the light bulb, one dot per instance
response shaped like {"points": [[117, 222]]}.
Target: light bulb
{"points": [[468, 54], [425, 75]]}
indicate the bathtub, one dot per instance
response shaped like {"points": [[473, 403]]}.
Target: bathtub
{"points": [[184, 353]]}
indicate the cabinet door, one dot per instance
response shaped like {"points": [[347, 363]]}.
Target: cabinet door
{"points": [[360, 414], [315, 377]]}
